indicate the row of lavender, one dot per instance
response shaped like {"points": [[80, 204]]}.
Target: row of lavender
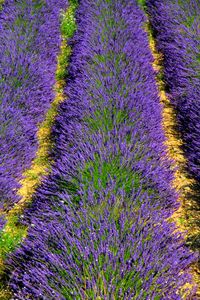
{"points": [[176, 25], [29, 44], [97, 224]]}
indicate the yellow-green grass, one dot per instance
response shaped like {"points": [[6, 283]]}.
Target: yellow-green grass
{"points": [[14, 233], [1, 3]]}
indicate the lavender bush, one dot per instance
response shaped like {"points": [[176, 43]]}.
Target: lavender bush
{"points": [[176, 25], [97, 224], [29, 44]]}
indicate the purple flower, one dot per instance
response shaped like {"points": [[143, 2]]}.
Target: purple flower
{"points": [[97, 224], [29, 44], [176, 25]]}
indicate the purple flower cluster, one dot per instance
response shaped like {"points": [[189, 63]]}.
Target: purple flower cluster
{"points": [[2, 222], [97, 224], [176, 25], [112, 250], [29, 44]]}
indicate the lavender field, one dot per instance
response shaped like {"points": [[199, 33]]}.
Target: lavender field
{"points": [[99, 149]]}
